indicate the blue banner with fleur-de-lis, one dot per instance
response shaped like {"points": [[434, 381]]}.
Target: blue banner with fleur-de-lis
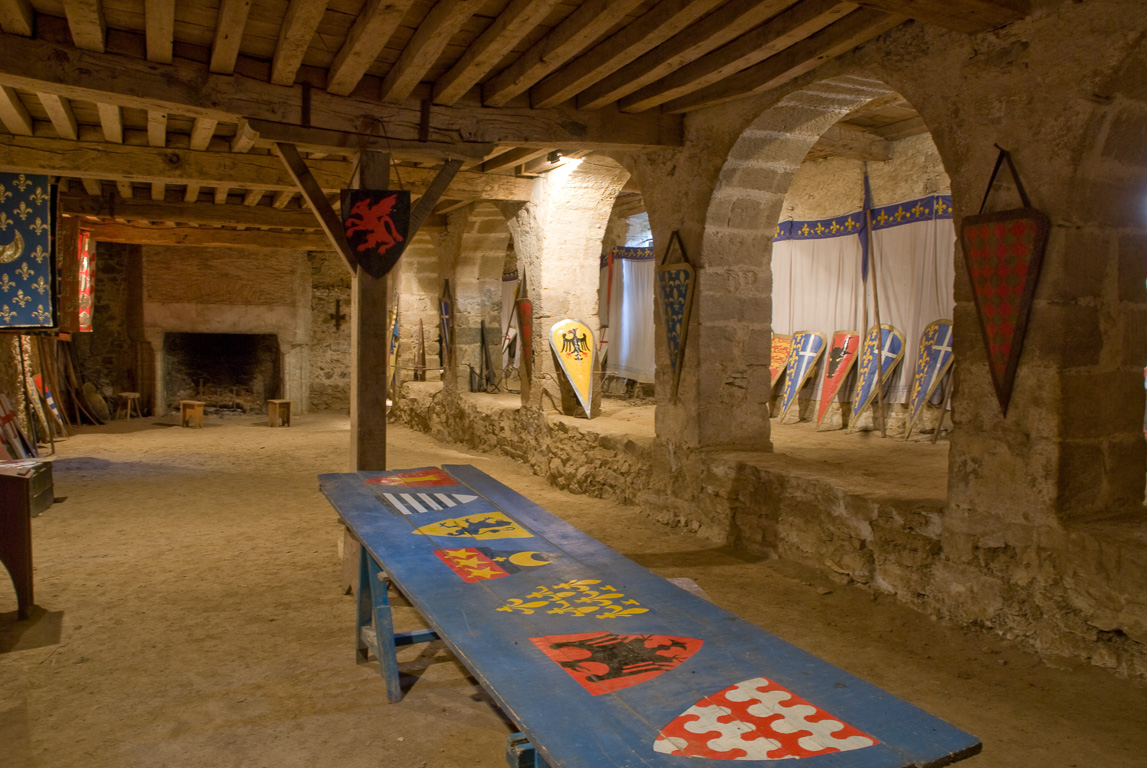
{"points": [[27, 262]]}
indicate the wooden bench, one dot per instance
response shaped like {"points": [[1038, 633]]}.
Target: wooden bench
{"points": [[597, 660], [279, 413]]}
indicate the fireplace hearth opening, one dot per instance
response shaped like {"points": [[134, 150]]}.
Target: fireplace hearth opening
{"points": [[235, 372]]}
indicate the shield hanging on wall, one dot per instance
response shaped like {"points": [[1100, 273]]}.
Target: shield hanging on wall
{"points": [[1004, 253], [675, 279], [376, 223]]}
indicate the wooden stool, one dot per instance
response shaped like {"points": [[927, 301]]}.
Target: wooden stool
{"points": [[124, 403], [191, 413], [279, 413]]}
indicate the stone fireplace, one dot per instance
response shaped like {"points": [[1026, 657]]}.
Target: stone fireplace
{"points": [[222, 320]]}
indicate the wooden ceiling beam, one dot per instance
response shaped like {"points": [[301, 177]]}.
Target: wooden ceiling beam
{"points": [[220, 195], [159, 27], [207, 214], [481, 56], [365, 41], [13, 113], [245, 137], [228, 35], [712, 31], [191, 194], [299, 26], [86, 22], [187, 88], [969, 16], [786, 28], [328, 220], [425, 205], [111, 121], [282, 199], [657, 25], [843, 140], [93, 187], [17, 17], [854, 29], [126, 191], [206, 236], [322, 141], [424, 48], [510, 158], [913, 126], [253, 197], [589, 22], [60, 113], [156, 129], [201, 132]]}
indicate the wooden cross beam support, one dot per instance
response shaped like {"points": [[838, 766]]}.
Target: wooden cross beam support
{"points": [[425, 205], [330, 221]]}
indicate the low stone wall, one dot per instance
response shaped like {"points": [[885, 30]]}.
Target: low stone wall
{"points": [[1069, 593], [600, 458]]}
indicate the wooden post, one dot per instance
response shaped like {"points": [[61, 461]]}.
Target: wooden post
{"points": [[370, 342]]}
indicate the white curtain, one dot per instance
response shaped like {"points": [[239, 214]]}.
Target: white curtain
{"points": [[630, 334], [817, 286], [510, 320]]}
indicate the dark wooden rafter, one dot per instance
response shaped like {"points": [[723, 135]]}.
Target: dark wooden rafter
{"points": [[654, 27], [312, 193], [510, 158], [425, 205], [854, 29], [513, 24], [424, 48], [968, 16], [344, 143], [207, 214], [86, 22], [229, 35], [366, 39], [186, 88], [778, 33], [205, 236], [580, 28], [17, 17], [299, 26], [715, 29], [159, 19]]}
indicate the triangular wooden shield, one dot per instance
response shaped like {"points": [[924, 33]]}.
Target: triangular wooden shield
{"points": [[841, 357], [376, 223], [675, 281], [807, 348], [888, 342], [1004, 253], [445, 323], [782, 345], [935, 358], [574, 346]]}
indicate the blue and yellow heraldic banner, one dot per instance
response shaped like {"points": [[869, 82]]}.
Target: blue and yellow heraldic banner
{"points": [[27, 260]]}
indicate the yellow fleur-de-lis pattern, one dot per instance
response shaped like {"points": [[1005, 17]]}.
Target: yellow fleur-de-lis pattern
{"points": [[577, 598], [27, 279]]}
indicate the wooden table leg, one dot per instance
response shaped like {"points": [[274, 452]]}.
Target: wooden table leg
{"points": [[374, 602]]}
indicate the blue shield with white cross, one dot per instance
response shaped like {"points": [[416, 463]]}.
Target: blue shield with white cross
{"points": [[806, 351], [883, 349]]}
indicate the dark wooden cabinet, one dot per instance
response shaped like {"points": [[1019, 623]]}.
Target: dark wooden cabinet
{"points": [[25, 491]]}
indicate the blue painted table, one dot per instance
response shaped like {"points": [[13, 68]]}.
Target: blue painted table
{"points": [[597, 660]]}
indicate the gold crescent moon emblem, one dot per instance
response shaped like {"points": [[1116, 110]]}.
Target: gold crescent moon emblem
{"points": [[527, 559], [13, 250]]}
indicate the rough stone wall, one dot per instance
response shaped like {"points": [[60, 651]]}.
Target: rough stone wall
{"points": [[330, 345], [418, 283], [1021, 546], [571, 453], [833, 186], [107, 354]]}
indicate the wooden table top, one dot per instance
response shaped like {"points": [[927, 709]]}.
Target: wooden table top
{"points": [[603, 663]]}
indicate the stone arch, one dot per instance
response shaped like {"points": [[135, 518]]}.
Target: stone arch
{"points": [[483, 243], [1102, 284], [735, 288]]}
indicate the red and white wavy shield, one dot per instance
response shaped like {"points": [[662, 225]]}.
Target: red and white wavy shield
{"points": [[757, 720]]}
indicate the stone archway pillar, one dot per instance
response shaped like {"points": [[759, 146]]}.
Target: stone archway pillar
{"points": [[557, 236]]}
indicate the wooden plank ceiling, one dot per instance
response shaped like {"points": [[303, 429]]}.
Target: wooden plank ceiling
{"points": [[162, 115]]}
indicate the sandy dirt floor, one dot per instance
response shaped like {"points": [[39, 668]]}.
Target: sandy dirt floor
{"points": [[190, 615]]}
